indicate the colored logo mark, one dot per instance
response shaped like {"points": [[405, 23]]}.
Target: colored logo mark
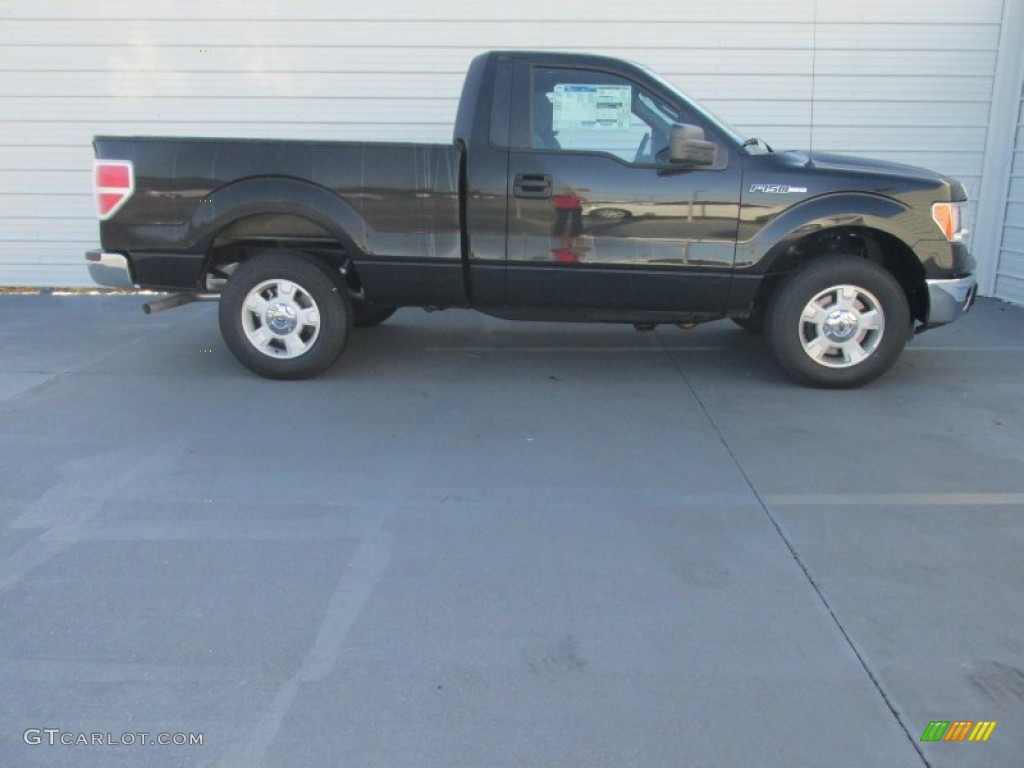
{"points": [[958, 730]]}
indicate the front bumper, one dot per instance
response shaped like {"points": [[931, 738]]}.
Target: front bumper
{"points": [[948, 299], [109, 269]]}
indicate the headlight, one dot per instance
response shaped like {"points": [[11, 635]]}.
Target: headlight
{"points": [[949, 217]]}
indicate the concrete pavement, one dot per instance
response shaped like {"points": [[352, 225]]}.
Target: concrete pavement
{"points": [[482, 543]]}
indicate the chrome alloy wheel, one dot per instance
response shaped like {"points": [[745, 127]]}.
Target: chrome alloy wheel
{"points": [[280, 319], [842, 326]]}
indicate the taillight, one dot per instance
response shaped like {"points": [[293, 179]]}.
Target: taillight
{"points": [[949, 217], [113, 183]]}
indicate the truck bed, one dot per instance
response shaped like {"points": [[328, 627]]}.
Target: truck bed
{"points": [[400, 202]]}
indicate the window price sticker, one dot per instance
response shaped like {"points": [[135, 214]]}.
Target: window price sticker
{"points": [[592, 107]]}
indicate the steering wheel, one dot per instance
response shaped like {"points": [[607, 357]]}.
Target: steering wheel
{"points": [[641, 152]]}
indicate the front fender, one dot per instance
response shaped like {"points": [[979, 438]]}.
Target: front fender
{"points": [[766, 248]]}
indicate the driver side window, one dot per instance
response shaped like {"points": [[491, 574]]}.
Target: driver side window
{"points": [[588, 111]]}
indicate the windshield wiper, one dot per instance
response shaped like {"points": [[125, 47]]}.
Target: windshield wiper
{"points": [[755, 142]]}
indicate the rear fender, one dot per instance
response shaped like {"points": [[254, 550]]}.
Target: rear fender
{"points": [[278, 195]]}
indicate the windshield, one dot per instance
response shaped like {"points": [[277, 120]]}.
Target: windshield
{"points": [[672, 116]]}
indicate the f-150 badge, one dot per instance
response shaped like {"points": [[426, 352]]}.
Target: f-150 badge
{"points": [[776, 189]]}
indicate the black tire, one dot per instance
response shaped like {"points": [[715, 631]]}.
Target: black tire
{"points": [[861, 322], [312, 320], [369, 315]]}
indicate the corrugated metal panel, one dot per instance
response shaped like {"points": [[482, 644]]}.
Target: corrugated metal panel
{"points": [[1010, 269], [900, 80], [755, 11]]}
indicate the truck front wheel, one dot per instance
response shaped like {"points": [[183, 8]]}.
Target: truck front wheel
{"points": [[839, 322], [283, 316]]}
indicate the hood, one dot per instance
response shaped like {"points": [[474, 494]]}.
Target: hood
{"points": [[879, 175]]}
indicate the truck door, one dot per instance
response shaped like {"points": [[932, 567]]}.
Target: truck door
{"points": [[598, 218]]}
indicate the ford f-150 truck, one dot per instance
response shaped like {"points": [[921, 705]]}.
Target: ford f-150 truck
{"points": [[577, 187]]}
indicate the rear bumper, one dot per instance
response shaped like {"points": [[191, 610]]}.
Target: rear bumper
{"points": [[948, 299], [109, 269]]}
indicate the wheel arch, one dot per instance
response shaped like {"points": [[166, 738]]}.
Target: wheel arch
{"points": [[880, 247], [254, 216], [267, 195], [872, 226]]}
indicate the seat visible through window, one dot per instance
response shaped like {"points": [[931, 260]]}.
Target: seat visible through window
{"points": [[543, 134]]}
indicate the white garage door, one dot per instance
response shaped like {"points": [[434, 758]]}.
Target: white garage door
{"points": [[1010, 272], [896, 79]]}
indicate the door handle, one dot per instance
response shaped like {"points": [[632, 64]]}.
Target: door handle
{"points": [[532, 185]]}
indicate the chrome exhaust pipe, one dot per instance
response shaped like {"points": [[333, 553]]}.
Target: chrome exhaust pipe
{"points": [[176, 301]]}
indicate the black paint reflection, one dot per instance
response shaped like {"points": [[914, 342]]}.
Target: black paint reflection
{"points": [[673, 229], [568, 246]]}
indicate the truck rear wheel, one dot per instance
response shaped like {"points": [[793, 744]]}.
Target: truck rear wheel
{"points": [[839, 322], [283, 316]]}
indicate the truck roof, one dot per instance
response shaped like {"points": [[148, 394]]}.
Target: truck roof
{"points": [[561, 57]]}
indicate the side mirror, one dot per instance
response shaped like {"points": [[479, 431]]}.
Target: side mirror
{"points": [[687, 146]]}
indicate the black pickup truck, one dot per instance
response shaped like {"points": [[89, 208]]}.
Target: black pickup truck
{"points": [[577, 187]]}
